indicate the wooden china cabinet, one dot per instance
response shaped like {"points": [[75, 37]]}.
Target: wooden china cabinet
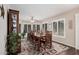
{"points": [[13, 25], [13, 21]]}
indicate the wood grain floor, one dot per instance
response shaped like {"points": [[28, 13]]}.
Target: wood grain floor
{"points": [[70, 51]]}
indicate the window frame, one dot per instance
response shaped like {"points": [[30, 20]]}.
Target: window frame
{"points": [[57, 35], [37, 27], [26, 27]]}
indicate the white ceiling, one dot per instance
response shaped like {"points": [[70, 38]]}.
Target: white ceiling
{"points": [[40, 11]]}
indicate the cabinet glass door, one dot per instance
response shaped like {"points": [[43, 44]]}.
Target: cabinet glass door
{"points": [[14, 20]]}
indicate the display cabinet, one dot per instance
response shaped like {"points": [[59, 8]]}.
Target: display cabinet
{"points": [[13, 27]]}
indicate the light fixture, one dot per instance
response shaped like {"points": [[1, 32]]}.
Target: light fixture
{"points": [[2, 11], [32, 19]]}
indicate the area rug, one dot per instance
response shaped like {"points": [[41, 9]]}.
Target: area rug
{"points": [[28, 49]]}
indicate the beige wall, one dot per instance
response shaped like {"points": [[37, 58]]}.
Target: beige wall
{"points": [[3, 31], [70, 33]]}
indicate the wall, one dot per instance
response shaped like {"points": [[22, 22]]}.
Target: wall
{"points": [[3, 29], [77, 30], [3, 32], [70, 33]]}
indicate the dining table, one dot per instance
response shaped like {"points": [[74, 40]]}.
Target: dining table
{"points": [[41, 40]]}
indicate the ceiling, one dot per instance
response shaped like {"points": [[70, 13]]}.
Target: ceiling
{"points": [[41, 11]]}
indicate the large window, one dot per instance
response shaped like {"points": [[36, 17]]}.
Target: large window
{"points": [[59, 27], [25, 28], [38, 27], [29, 28], [45, 27], [55, 27], [34, 28]]}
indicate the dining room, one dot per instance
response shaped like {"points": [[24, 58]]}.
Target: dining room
{"points": [[46, 32], [40, 29]]}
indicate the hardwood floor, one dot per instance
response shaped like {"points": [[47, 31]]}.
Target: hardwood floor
{"points": [[70, 51], [26, 47], [77, 52]]}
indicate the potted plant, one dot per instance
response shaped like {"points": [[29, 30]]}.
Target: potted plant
{"points": [[23, 34], [12, 43]]}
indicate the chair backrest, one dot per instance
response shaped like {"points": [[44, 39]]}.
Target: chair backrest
{"points": [[48, 39]]}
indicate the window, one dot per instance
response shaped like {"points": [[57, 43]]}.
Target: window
{"points": [[34, 28], [29, 28], [59, 27], [38, 27], [55, 27], [25, 28], [45, 27]]}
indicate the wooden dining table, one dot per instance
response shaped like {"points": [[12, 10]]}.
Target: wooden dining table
{"points": [[40, 41]]}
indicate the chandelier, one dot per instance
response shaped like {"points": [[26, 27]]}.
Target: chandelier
{"points": [[32, 19]]}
